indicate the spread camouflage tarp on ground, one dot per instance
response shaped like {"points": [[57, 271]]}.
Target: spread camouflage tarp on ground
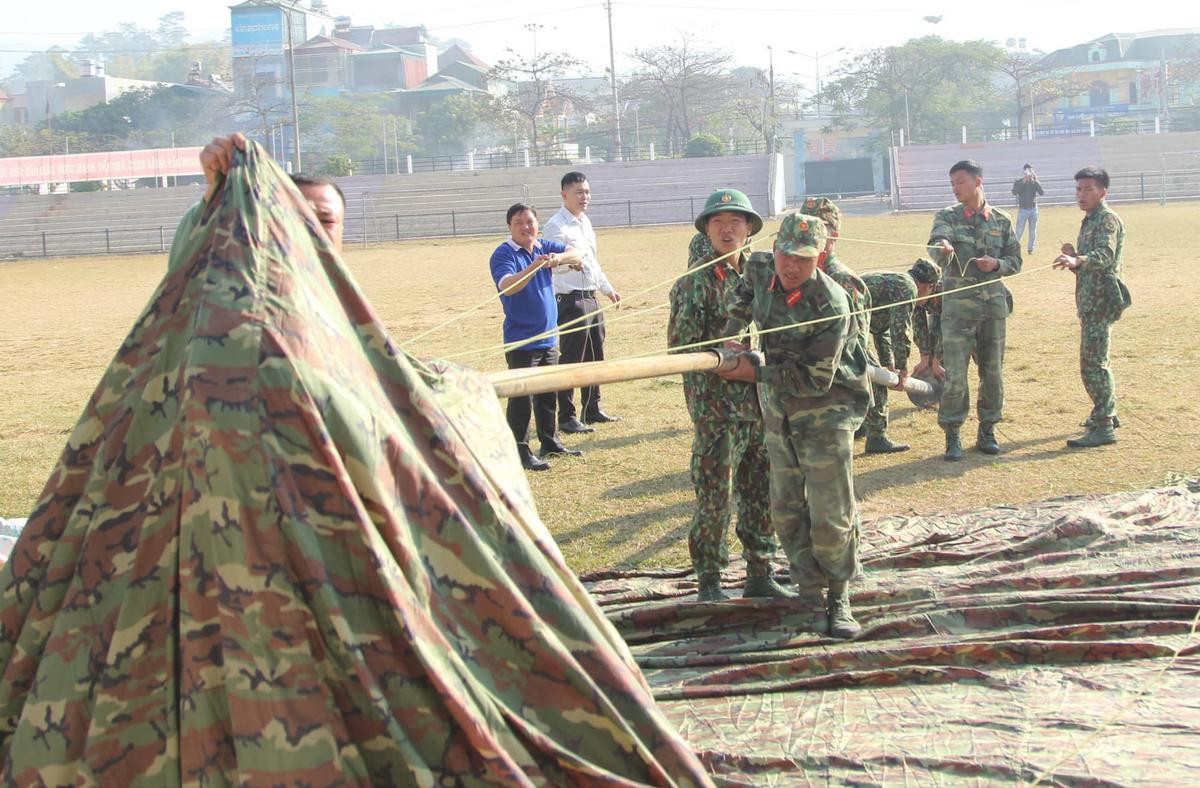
{"points": [[1051, 641], [272, 553]]}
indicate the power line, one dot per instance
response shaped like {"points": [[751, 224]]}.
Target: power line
{"points": [[93, 32]]}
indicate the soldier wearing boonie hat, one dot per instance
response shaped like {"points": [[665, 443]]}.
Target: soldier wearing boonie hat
{"points": [[814, 393], [844, 275], [893, 297], [728, 451], [927, 320]]}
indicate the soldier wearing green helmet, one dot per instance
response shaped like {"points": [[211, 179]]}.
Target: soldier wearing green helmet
{"points": [[729, 457], [814, 392]]}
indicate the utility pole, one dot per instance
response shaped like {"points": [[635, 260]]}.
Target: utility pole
{"points": [[287, 14], [612, 72], [907, 119], [385, 150], [771, 99]]}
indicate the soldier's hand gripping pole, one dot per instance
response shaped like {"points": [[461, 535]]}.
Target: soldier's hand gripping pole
{"points": [[924, 392], [539, 380]]}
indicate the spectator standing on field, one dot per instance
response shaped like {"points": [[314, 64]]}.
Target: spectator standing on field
{"points": [[575, 295], [521, 268], [1027, 189]]}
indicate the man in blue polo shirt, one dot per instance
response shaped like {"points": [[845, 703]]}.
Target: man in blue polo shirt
{"points": [[521, 269]]}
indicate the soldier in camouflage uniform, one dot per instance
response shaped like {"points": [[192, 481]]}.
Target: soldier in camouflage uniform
{"points": [[1100, 298], [728, 454], [893, 296], [927, 333], [814, 392], [832, 265], [975, 243]]}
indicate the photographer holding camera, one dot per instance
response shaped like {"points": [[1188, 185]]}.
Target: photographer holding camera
{"points": [[1027, 189]]}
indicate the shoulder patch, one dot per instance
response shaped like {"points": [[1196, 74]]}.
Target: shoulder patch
{"points": [[1110, 223]]}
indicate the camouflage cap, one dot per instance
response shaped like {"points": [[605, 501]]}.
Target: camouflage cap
{"points": [[729, 200], [825, 208], [925, 271], [802, 235]]}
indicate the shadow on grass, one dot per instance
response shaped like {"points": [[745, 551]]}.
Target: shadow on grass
{"points": [[621, 529], [621, 441], [652, 486], [925, 467]]}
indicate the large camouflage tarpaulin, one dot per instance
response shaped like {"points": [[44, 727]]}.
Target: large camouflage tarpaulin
{"points": [[277, 551], [1053, 641]]}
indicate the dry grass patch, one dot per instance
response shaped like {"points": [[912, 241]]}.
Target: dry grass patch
{"points": [[628, 500]]}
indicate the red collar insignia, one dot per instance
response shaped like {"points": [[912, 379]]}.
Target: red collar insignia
{"points": [[986, 212], [793, 295], [719, 271]]}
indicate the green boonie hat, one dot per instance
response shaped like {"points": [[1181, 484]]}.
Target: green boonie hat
{"points": [[802, 235], [825, 208], [728, 200], [925, 271], [699, 249]]}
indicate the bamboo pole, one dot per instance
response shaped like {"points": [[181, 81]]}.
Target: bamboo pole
{"points": [[540, 380]]}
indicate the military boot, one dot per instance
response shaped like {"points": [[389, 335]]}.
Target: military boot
{"points": [[861, 432], [841, 620], [761, 585], [1099, 434], [1088, 423], [810, 602], [985, 440], [881, 444], [954, 450], [709, 588], [811, 597], [528, 461]]}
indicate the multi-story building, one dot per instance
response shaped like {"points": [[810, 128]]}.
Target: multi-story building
{"points": [[260, 36], [1122, 74]]}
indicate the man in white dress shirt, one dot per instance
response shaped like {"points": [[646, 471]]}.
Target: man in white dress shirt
{"points": [[575, 294]]}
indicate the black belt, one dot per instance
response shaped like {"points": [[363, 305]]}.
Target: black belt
{"points": [[582, 293]]}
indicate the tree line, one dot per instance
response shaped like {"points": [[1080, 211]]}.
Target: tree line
{"points": [[679, 92]]}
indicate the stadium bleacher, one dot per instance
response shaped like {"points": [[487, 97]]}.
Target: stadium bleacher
{"points": [[392, 207], [1142, 167]]}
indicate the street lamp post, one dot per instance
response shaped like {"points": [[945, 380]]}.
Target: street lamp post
{"points": [[817, 60]]}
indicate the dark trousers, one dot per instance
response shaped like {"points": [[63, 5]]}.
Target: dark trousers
{"points": [[543, 404], [580, 345]]}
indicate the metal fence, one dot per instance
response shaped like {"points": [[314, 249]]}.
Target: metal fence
{"points": [[504, 160], [1180, 119], [364, 226], [1162, 186]]}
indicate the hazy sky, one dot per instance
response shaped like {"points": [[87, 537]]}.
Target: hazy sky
{"points": [[745, 29]]}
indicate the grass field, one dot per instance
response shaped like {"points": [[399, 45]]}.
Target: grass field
{"points": [[628, 500]]}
